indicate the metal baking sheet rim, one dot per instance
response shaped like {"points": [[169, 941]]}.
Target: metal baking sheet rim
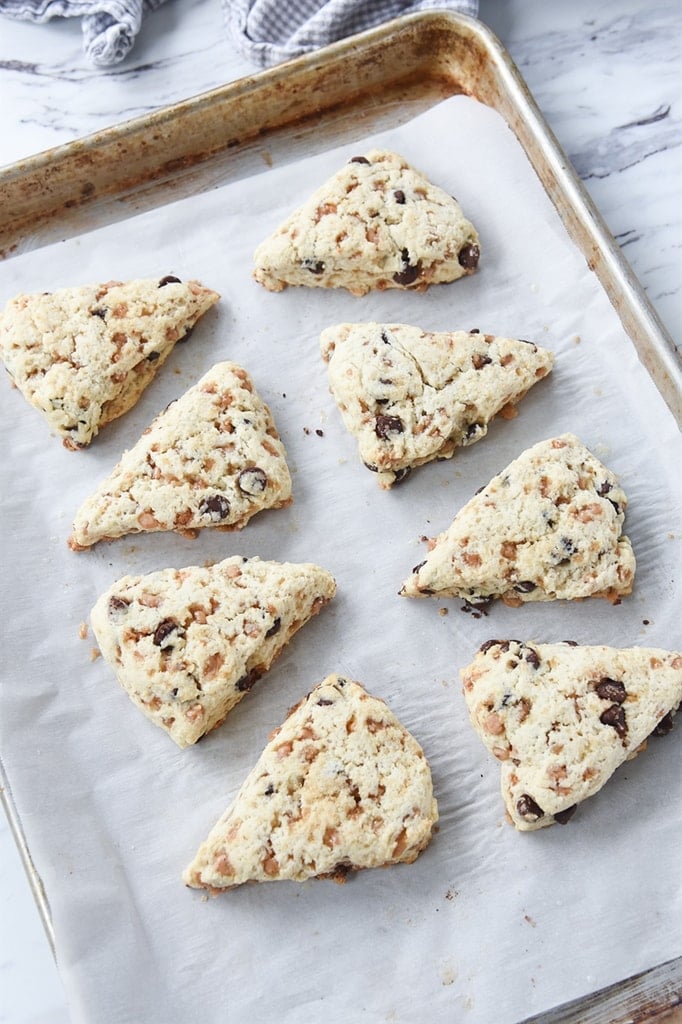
{"points": [[654, 994]]}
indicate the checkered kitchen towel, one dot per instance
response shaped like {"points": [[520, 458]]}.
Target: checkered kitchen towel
{"points": [[266, 31]]}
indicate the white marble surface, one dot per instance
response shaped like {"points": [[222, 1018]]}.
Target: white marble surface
{"points": [[606, 76]]}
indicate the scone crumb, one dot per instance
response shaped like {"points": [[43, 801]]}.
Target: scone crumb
{"points": [[83, 630]]}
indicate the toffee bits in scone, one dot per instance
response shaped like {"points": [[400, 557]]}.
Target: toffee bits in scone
{"points": [[212, 458], [410, 396], [83, 356], [188, 644], [340, 786], [548, 527], [377, 223], [561, 718]]}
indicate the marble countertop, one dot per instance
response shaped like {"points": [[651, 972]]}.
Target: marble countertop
{"points": [[607, 79]]}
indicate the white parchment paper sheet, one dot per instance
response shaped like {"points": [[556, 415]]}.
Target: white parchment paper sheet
{"points": [[488, 925]]}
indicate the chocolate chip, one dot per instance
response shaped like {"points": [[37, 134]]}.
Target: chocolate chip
{"points": [[532, 658], [247, 681], [506, 644], [163, 631], [323, 702], [615, 717], [563, 816], [475, 330], [269, 791], [274, 628], [615, 505], [480, 361], [217, 507], [410, 272], [568, 545], [570, 643], [471, 431], [385, 425], [252, 481], [488, 644], [418, 567], [169, 279], [611, 689], [117, 604], [101, 313], [371, 467], [477, 608], [399, 196], [665, 725], [604, 488], [314, 266], [401, 474], [358, 160], [153, 356], [469, 256], [525, 586], [528, 809], [385, 338]]}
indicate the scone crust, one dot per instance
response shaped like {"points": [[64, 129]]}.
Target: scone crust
{"points": [[561, 718], [213, 458], [377, 223], [410, 396], [84, 355], [341, 785], [188, 644], [548, 527]]}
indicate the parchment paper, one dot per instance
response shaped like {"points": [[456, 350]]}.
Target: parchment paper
{"points": [[488, 925]]}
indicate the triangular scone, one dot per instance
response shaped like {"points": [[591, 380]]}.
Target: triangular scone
{"points": [[188, 644], [83, 356], [547, 527], [211, 458], [377, 223], [562, 718], [341, 785], [410, 396]]}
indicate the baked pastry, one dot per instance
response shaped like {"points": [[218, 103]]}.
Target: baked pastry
{"points": [[377, 223], [341, 785], [410, 396], [548, 527], [561, 718], [188, 644], [83, 356], [211, 458]]}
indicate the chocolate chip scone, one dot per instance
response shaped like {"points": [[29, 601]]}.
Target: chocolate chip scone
{"points": [[83, 356], [341, 785], [188, 644], [377, 223], [410, 396], [561, 718], [213, 458], [548, 527]]}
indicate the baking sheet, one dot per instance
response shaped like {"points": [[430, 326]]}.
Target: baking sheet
{"points": [[488, 924]]}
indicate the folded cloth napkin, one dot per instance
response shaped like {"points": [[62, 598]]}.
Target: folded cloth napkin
{"points": [[266, 31], [270, 31], [109, 26]]}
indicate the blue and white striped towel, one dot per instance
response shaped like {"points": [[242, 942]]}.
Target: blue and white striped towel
{"points": [[265, 31]]}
